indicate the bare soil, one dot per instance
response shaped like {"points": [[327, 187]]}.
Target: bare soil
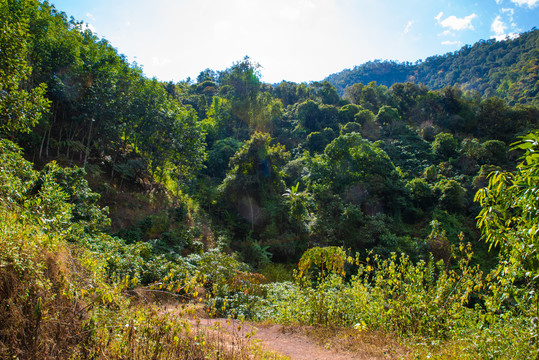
{"points": [[300, 343]]}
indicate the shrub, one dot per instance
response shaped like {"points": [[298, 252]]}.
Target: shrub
{"points": [[445, 146]]}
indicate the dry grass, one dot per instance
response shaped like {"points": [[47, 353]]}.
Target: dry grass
{"points": [[38, 321], [56, 304], [381, 345], [371, 344]]}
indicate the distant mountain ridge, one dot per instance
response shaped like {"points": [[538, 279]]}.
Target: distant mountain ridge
{"points": [[508, 69]]}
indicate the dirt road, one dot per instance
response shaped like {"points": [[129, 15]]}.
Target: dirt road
{"points": [[287, 341]]}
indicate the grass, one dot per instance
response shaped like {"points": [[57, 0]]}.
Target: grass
{"points": [[55, 303], [368, 344]]}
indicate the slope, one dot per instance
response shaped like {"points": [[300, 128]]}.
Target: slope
{"points": [[507, 69]]}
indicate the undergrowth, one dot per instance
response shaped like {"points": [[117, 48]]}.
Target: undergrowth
{"points": [[66, 287], [57, 303], [436, 312]]}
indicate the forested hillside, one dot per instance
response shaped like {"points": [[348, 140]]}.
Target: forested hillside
{"points": [[506, 69], [222, 185]]}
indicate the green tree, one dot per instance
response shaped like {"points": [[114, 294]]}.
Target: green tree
{"points": [[494, 152], [220, 154], [373, 96], [20, 108], [324, 92], [317, 141], [406, 96], [493, 119], [308, 115], [445, 146], [350, 128], [166, 135], [352, 93], [60, 197], [287, 92], [328, 116], [298, 202], [390, 119], [347, 112], [218, 123], [241, 82], [359, 171], [421, 193], [369, 127], [509, 220], [255, 176], [252, 195], [451, 194], [243, 78]]}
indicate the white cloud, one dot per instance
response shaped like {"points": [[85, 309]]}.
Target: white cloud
{"points": [[510, 36], [528, 3], [499, 2], [265, 30], [450, 42], [291, 13], [455, 23], [90, 16], [447, 33], [157, 61], [308, 4], [498, 27], [294, 10], [509, 11], [408, 26]]}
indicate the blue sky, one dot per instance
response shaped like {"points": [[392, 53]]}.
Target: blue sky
{"points": [[294, 40]]}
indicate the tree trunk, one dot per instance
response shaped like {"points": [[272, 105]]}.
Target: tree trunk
{"points": [[88, 144], [42, 143], [59, 142], [113, 162], [70, 136], [178, 190], [48, 141]]}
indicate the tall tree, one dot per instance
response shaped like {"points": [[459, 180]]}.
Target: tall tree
{"points": [[21, 104], [509, 220]]}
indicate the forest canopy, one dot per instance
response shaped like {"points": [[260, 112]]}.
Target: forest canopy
{"points": [[371, 180], [506, 69]]}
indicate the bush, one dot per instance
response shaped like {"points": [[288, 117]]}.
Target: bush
{"points": [[385, 294], [445, 146], [421, 193], [452, 195]]}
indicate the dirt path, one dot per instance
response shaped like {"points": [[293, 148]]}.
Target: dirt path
{"points": [[284, 341]]}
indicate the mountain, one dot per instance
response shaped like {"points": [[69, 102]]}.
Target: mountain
{"points": [[507, 69]]}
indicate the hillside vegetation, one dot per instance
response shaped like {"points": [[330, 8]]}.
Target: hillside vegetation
{"points": [[409, 210], [507, 69]]}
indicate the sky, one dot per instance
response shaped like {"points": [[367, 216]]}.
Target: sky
{"points": [[293, 40]]}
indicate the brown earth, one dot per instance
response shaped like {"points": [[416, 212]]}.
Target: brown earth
{"points": [[300, 343]]}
